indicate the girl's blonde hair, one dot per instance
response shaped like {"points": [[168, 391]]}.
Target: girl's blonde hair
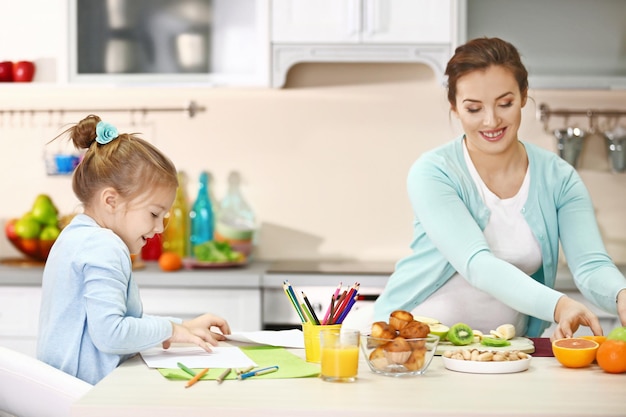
{"points": [[129, 164]]}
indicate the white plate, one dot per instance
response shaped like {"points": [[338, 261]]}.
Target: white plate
{"points": [[475, 367]]}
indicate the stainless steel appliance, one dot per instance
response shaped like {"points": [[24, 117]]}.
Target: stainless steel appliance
{"points": [[318, 280]]}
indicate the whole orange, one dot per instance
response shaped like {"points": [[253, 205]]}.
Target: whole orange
{"points": [[599, 339], [611, 356], [170, 261], [575, 352]]}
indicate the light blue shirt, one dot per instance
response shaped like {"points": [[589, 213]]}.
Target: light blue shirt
{"points": [[91, 317], [449, 219]]}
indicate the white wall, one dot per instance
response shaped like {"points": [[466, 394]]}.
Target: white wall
{"points": [[324, 160]]}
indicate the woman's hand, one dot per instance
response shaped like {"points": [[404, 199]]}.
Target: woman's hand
{"points": [[569, 315], [621, 306], [198, 331]]}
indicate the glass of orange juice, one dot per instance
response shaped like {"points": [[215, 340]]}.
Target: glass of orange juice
{"points": [[339, 354]]}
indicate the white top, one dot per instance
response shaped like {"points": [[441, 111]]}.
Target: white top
{"points": [[510, 239], [546, 389]]}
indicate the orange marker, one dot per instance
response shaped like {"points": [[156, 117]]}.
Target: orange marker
{"points": [[197, 377]]}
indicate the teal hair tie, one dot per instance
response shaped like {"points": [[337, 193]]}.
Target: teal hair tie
{"points": [[105, 132]]}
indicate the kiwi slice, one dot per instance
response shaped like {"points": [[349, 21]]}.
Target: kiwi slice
{"points": [[460, 334], [494, 342]]}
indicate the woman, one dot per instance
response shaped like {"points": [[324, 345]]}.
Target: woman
{"points": [[91, 317], [490, 211]]}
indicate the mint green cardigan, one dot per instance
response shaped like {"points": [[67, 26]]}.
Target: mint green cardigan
{"points": [[449, 219]]}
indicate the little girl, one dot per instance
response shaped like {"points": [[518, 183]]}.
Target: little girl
{"points": [[91, 316]]}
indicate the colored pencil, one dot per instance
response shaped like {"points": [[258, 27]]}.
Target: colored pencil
{"points": [[286, 287], [348, 299], [184, 368], [263, 371], [197, 377], [223, 375], [346, 310], [308, 303], [327, 314]]}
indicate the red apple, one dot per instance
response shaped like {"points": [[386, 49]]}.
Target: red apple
{"points": [[23, 71], [9, 229], [6, 71]]}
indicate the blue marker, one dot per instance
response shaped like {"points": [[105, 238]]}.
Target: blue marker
{"points": [[262, 371]]}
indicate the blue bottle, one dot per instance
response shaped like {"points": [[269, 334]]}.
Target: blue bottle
{"points": [[201, 217]]}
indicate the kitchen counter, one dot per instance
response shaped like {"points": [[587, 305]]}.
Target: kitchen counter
{"points": [[256, 274], [546, 389], [150, 275]]}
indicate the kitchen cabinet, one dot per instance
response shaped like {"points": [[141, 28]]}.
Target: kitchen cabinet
{"points": [[565, 44], [361, 31], [232, 293], [19, 317], [212, 42], [361, 21], [241, 307], [87, 42]]}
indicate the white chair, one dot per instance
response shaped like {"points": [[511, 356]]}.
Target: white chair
{"points": [[32, 388]]}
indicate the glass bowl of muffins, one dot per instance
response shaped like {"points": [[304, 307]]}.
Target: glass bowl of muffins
{"points": [[400, 347]]}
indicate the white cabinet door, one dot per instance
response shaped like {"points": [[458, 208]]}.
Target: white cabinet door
{"points": [[334, 21], [19, 318], [406, 21], [361, 21], [240, 307]]}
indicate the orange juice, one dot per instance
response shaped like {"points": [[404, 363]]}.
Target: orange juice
{"points": [[340, 362], [339, 354]]}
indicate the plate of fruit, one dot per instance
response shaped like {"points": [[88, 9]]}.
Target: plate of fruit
{"points": [[214, 254], [503, 338]]}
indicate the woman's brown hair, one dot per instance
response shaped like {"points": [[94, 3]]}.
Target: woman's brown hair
{"points": [[479, 54], [129, 164]]}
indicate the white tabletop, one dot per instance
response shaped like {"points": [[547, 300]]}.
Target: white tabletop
{"points": [[546, 389]]}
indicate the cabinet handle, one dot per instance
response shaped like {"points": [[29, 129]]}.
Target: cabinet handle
{"points": [[375, 16], [354, 17]]}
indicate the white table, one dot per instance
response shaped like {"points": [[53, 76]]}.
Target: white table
{"points": [[546, 389]]}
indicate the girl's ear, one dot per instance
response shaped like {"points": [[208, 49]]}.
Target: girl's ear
{"points": [[109, 199]]}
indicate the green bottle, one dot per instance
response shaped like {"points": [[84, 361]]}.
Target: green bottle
{"points": [[176, 234]]}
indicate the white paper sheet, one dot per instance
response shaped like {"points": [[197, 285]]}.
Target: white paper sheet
{"points": [[195, 357], [284, 338]]}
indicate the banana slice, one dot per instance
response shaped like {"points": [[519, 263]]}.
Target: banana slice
{"points": [[496, 334], [478, 335], [507, 331], [427, 320]]}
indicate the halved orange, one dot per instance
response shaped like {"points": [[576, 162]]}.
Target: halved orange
{"points": [[575, 352]]}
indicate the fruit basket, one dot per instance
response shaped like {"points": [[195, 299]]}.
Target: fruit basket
{"points": [[34, 233]]}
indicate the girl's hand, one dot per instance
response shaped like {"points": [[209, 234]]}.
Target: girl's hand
{"points": [[198, 331], [569, 315]]}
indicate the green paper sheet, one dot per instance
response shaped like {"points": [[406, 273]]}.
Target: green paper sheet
{"points": [[289, 365]]}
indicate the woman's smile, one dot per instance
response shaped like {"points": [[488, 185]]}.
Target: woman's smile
{"points": [[493, 135]]}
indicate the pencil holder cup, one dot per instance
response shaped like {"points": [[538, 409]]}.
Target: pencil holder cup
{"points": [[312, 339]]}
